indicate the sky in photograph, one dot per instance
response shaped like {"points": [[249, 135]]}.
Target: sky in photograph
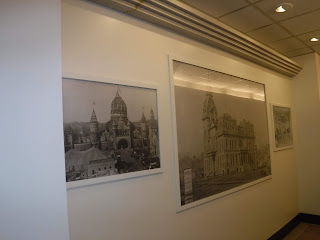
{"points": [[80, 97], [189, 106]]}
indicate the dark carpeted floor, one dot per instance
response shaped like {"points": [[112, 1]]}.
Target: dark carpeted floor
{"points": [[304, 231]]}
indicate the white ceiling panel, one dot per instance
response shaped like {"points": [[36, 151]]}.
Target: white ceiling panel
{"points": [[307, 37], [216, 8], [299, 7], [288, 33], [316, 48], [304, 23], [286, 45], [246, 19], [298, 52], [269, 33]]}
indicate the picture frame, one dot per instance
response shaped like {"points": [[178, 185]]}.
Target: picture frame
{"points": [[196, 175], [282, 126], [111, 142]]}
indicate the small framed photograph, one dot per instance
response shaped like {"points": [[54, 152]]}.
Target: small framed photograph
{"points": [[111, 130], [221, 133], [282, 127]]}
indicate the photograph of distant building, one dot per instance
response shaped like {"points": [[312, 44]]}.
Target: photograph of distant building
{"points": [[108, 129], [222, 136], [282, 127]]}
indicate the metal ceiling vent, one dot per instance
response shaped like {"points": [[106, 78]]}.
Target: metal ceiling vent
{"points": [[181, 18]]}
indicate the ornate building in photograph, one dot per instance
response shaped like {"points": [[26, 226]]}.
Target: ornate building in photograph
{"points": [[282, 126], [222, 133], [228, 147], [96, 149]]}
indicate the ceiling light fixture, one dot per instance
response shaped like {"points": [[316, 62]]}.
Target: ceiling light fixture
{"points": [[280, 9], [283, 7], [314, 39]]}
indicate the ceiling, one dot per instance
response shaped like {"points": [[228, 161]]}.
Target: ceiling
{"points": [[289, 32]]}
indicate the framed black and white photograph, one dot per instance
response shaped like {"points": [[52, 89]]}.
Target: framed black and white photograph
{"points": [[282, 127], [221, 133], [111, 131]]}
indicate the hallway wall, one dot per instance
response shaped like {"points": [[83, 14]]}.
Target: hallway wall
{"points": [[100, 42], [306, 87], [32, 180]]}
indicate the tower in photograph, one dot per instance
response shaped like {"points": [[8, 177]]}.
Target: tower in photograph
{"points": [[153, 134], [119, 124], [209, 121], [94, 128], [68, 138], [143, 124]]}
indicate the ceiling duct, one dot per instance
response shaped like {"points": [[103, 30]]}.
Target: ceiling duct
{"points": [[181, 18]]}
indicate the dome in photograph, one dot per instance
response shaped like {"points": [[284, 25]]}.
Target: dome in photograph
{"points": [[118, 106]]}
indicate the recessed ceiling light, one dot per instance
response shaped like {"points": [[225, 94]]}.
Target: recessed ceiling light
{"points": [[280, 9], [314, 39], [283, 7]]}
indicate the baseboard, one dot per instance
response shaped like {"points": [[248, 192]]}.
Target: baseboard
{"points": [[301, 217], [309, 218], [286, 229]]}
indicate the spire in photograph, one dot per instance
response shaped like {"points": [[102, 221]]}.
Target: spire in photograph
{"points": [[93, 116]]}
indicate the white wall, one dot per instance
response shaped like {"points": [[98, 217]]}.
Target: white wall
{"points": [[307, 102], [33, 202], [101, 42]]}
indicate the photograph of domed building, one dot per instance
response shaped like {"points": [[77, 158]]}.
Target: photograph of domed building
{"points": [[108, 129], [222, 132]]}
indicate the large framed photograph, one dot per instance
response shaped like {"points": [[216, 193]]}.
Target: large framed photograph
{"points": [[221, 133], [282, 127], [111, 131]]}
